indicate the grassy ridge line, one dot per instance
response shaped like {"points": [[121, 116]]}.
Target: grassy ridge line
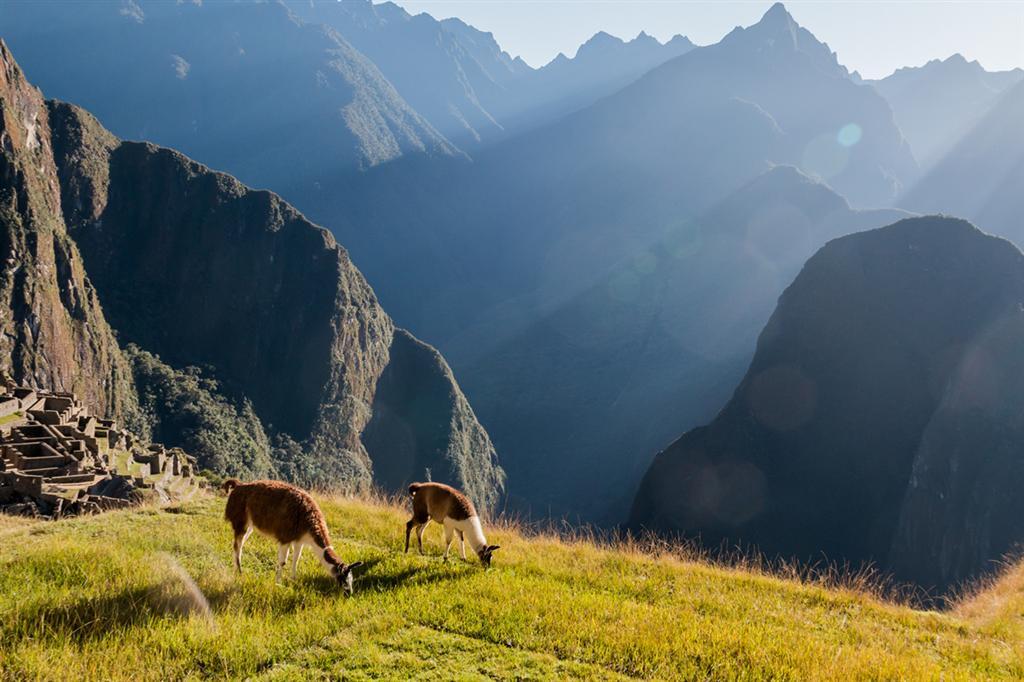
{"points": [[108, 597]]}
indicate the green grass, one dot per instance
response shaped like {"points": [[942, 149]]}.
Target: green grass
{"points": [[11, 418], [109, 597]]}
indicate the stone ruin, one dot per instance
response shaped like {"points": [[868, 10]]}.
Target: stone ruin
{"points": [[58, 460]]}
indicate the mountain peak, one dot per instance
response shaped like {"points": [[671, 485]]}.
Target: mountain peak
{"points": [[680, 40], [777, 13], [778, 31], [645, 38], [777, 21], [601, 40]]}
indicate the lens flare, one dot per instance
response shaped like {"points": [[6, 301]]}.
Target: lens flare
{"points": [[849, 135], [825, 157]]}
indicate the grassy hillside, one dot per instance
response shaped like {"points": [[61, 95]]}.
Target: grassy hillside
{"points": [[113, 597]]}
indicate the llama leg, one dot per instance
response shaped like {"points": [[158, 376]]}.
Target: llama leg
{"points": [[408, 530], [296, 553], [462, 544], [282, 559], [240, 538], [419, 534], [449, 537]]}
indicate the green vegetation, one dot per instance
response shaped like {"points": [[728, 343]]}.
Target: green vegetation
{"points": [[110, 597], [187, 410]]}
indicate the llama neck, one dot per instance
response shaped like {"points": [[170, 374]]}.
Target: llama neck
{"points": [[475, 533], [326, 555]]}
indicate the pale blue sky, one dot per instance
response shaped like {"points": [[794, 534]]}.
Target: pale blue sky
{"points": [[872, 36]]}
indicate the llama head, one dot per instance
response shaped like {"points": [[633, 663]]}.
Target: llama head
{"points": [[343, 573], [485, 554]]}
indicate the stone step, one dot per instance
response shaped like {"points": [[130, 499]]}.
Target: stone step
{"points": [[73, 478], [45, 462], [47, 474]]}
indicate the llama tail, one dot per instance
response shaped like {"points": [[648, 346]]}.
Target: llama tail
{"points": [[414, 487], [230, 484]]}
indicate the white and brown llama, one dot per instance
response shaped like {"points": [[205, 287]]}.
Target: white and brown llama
{"points": [[453, 510]]}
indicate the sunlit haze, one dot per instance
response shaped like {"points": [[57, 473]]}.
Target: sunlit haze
{"points": [[872, 37]]}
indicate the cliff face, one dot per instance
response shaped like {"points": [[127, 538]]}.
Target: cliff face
{"points": [[878, 418], [193, 266], [52, 330], [963, 507], [200, 270], [197, 269]]}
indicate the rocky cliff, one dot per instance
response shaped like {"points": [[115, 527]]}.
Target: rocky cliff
{"points": [[197, 269], [52, 329], [879, 419]]}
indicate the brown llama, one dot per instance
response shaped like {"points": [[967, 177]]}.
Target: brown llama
{"points": [[288, 515]]}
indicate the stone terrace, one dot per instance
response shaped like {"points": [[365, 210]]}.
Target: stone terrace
{"points": [[56, 459]]}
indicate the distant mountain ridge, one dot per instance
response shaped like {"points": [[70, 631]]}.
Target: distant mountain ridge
{"points": [[600, 67], [938, 103], [471, 90], [292, 113], [563, 202], [452, 75], [982, 176]]}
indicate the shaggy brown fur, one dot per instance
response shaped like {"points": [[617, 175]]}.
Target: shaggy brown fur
{"points": [[283, 512]]}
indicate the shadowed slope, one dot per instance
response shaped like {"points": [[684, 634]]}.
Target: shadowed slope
{"points": [[201, 270], [580, 400], [838, 441]]}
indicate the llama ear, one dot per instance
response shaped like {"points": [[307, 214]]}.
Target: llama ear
{"points": [[491, 548], [354, 566]]}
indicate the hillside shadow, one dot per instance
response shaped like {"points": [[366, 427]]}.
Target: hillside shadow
{"points": [[311, 587], [91, 618]]}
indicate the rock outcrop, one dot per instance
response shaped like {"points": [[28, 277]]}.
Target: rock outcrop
{"points": [[879, 419], [196, 268]]}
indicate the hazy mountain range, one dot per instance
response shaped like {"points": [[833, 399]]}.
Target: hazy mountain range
{"points": [[982, 175], [594, 244], [935, 105]]}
